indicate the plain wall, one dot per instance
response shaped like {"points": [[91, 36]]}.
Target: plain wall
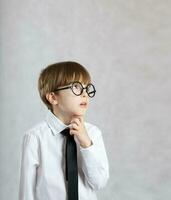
{"points": [[126, 47]]}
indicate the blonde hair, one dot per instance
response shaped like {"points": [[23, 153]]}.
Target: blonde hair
{"points": [[60, 74]]}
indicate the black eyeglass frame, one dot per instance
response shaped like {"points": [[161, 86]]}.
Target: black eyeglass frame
{"points": [[71, 87]]}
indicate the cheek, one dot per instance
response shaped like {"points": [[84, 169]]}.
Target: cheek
{"points": [[70, 103], [68, 100]]}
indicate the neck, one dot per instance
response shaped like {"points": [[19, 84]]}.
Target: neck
{"points": [[65, 119]]}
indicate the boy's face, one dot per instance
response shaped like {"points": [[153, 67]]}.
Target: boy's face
{"points": [[69, 105]]}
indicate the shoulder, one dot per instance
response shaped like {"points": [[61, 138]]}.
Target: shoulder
{"points": [[37, 130], [33, 136]]}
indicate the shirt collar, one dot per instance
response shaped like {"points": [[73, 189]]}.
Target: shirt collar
{"points": [[55, 124]]}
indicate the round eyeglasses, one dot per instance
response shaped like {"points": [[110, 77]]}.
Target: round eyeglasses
{"points": [[77, 88]]}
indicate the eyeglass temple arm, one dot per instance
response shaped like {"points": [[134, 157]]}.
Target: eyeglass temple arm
{"points": [[62, 88]]}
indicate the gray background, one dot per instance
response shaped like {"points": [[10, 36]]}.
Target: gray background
{"points": [[126, 47]]}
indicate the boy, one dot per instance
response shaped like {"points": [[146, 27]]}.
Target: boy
{"points": [[46, 171]]}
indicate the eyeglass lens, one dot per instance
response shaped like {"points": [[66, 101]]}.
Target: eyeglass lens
{"points": [[78, 88]]}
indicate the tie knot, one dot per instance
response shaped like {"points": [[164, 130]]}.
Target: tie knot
{"points": [[65, 132]]}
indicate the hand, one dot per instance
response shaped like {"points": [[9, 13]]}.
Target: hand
{"points": [[78, 130]]}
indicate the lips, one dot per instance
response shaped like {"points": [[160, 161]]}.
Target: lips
{"points": [[83, 104]]}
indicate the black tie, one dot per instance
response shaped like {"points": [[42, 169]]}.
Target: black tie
{"points": [[71, 165]]}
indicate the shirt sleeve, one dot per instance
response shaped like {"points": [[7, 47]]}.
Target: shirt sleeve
{"points": [[29, 163], [94, 161]]}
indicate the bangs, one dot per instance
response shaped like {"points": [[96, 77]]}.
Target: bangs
{"points": [[68, 78], [73, 73]]}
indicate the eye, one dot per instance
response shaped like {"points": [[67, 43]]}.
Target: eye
{"points": [[76, 86]]}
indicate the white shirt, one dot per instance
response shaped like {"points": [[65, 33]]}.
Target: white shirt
{"points": [[43, 163]]}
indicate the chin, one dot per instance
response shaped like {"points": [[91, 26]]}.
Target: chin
{"points": [[79, 113]]}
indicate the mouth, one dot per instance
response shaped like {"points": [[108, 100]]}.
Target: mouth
{"points": [[83, 104]]}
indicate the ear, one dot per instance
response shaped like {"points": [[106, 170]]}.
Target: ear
{"points": [[52, 98]]}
